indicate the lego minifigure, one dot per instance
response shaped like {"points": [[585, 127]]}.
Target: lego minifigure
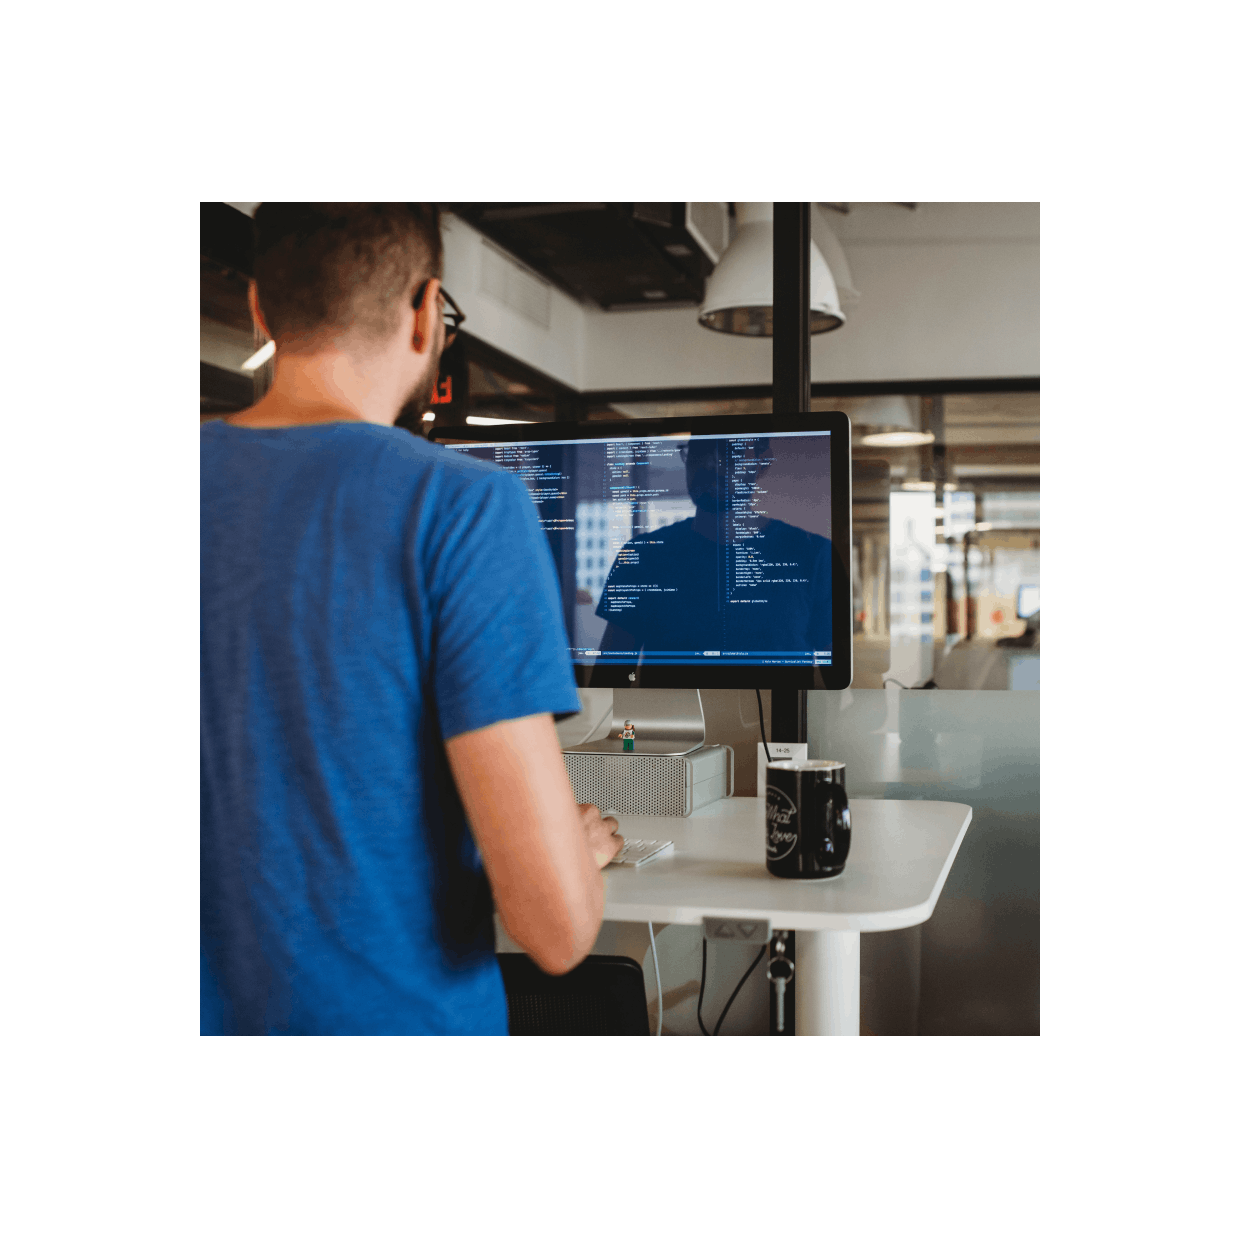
{"points": [[628, 735]]}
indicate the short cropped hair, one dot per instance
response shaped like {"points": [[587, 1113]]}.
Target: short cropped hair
{"points": [[327, 270]]}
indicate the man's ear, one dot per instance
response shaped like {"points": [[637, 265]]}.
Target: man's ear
{"points": [[256, 312], [424, 317]]}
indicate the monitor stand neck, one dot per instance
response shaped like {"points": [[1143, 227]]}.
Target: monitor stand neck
{"points": [[668, 722]]}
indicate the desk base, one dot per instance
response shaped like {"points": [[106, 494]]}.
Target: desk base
{"points": [[828, 983], [828, 976]]}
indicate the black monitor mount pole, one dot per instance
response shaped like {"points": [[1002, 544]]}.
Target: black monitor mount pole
{"points": [[790, 395], [790, 381]]}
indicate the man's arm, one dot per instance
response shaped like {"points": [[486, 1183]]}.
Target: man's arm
{"points": [[542, 852]]}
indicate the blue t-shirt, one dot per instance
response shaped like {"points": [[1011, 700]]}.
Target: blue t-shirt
{"points": [[366, 595]]}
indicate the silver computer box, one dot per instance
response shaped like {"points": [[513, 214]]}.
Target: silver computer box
{"points": [[659, 784], [676, 774]]}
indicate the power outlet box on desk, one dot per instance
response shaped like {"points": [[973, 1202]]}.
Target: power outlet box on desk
{"points": [[656, 785]]}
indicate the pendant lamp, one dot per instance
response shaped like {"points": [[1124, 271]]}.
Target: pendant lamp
{"points": [[740, 291], [890, 422]]}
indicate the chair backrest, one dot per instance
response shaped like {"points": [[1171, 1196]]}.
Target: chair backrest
{"points": [[602, 995]]}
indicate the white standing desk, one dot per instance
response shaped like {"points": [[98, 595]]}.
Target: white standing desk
{"points": [[898, 861]]}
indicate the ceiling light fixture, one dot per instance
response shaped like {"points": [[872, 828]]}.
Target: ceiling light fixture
{"points": [[897, 439], [428, 417], [254, 361], [890, 422], [740, 292], [497, 421]]}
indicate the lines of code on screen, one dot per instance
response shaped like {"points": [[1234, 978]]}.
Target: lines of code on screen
{"points": [[686, 550]]}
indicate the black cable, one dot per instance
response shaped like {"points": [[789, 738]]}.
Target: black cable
{"points": [[762, 724], [702, 987], [701, 991], [757, 960]]}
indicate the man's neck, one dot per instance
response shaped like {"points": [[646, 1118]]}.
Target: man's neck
{"points": [[326, 386]]}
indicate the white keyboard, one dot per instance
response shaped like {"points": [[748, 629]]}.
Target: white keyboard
{"points": [[638, 852]]}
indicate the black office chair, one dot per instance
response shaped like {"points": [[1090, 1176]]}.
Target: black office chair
{"points": [[602, 995]]}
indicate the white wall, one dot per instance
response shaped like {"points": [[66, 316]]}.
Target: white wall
{"points": [[224, 346], [949, 291], [557, 349]]}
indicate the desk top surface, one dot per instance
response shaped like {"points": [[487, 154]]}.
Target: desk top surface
{"points": [[899, 859]]}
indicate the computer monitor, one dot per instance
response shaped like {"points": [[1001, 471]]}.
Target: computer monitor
{"points": [[692, 553], [1027, 603]]}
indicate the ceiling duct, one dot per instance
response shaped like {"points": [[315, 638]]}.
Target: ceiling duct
{"points": [[616, 255], [227, 236]]}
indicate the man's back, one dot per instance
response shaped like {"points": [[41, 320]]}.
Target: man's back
{"points": [[364, 596]]}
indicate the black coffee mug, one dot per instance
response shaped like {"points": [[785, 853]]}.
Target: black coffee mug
{"points": [[808, 825]]}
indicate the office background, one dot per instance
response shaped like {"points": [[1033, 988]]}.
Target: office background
{"points": [[937, 365]]}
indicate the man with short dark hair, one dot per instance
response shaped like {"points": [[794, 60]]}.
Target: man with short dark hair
{"points": [[382, 654]]}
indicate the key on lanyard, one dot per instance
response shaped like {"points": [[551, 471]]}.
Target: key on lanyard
{"points": [[780, 971]]}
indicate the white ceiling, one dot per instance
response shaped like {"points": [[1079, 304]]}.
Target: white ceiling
{"points": [[888, 223]]}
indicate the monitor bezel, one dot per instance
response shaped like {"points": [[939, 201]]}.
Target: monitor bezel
{"points": [[695, 676]]}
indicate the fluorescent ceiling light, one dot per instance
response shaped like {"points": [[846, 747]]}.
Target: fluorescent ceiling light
{"points": [[918, 486], [985, 471], [897, 439], [982, 526], [257, 359], [497, 421], [428, 417]]}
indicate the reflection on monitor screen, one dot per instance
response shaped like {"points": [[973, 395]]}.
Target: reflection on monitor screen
{"points": [[689, 551]]}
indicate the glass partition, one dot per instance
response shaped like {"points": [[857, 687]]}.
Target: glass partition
{"points": [[979, 951]]}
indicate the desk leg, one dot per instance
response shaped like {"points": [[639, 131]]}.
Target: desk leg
{"points": [[828, 982]]}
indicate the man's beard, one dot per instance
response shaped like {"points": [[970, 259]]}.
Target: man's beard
{"points": [[706, 498], [418, 401]]}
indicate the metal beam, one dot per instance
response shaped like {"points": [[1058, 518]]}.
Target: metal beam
{"points": [[758, 391], [790, 312]]}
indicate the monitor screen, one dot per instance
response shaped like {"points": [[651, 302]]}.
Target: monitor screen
{"points": [[694, 552], [1027, 602]]}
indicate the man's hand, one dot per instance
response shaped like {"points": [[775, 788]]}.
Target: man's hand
{"points": [[542, 851], [601, 835]]}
